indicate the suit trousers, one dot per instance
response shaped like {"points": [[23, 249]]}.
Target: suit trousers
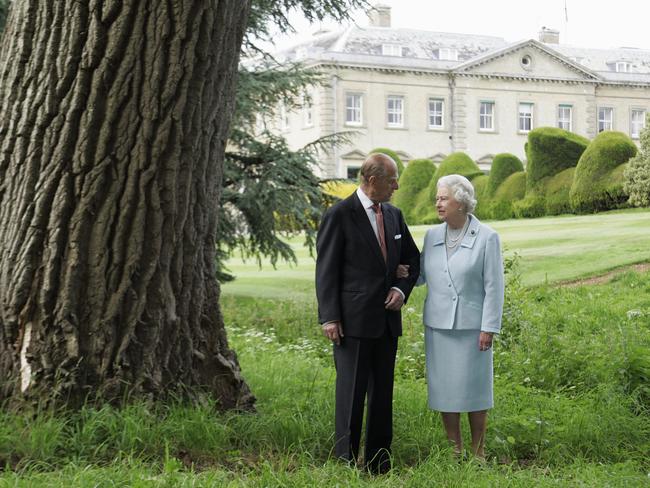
{"points": [[365, 366]]}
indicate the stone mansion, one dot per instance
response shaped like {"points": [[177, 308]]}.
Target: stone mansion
{"points": [[428, 94]]}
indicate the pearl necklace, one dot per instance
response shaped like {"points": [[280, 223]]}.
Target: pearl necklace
{"points": [[452, 242]]}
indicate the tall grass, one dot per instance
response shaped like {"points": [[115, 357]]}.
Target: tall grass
{"points": [[571, 390]]}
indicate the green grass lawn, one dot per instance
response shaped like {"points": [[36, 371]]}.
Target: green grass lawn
{"points": [[572, 408], [551, 248], [572, 387]]}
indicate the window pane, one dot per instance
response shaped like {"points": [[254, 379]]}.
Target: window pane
{"points": [[395, 111], [637, 123], [353, 109], [486, 116], [605, 118], [525, 117], [435, 112], [564, 117]]}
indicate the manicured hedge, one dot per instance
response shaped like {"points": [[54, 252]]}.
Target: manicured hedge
{"points": [[556, 193], [532, 206], [480, 184], [510, 191], [503, 165], [551, 150], [392, 154], [415, 178], [637, 172], [456, 163], [598, 181]]}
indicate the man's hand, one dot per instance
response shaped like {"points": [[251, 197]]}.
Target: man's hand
{"points": [[333, 331], [402, 271], [485, 341], [394, 300]]}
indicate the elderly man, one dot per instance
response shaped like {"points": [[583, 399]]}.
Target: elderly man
{"points": [[360, 243]]}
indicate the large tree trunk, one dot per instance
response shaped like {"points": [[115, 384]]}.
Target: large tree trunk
{"points": [[114, 120]]}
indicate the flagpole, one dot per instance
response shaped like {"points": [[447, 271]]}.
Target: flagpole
{"points": [[566, 23]]}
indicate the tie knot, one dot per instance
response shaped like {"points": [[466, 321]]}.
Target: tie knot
{"points": [[376, 208]]}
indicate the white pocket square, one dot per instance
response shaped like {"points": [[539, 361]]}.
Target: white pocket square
{"points": [[398, 236]]}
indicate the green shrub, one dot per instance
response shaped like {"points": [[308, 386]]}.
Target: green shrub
{"points": [[557, 190], [513, 187], [503, 165], [598, 181], [532, 206], [511, 190], [425, 209], [637, 173], [456, 163], [480, 183], [415, 178], [392, 154], [551, 150]]}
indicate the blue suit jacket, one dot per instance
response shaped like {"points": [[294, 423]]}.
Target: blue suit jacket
{"points": [[466, 292]]}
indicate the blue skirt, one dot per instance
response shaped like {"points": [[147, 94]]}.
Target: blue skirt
{"points": [[459, 375]]}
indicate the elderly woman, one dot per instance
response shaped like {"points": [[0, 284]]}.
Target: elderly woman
{"points": [[462, 267]]}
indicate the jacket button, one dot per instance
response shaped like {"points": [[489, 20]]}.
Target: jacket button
{"points": [[449, 285], [454, 299]]}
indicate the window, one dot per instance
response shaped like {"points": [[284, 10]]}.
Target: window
{"points": [[391, 49], [307, 111], [637, 122], [525, 117], [352, 172], [353, 108], [623, 67], [564, 116], [486, 116], [448, 54], [395, 111], [436, 111], [526, 61], [605, 118]]}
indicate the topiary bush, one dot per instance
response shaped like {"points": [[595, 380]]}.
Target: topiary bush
{"points": [[392, 154], [556, 192], [456, 163], [551, 150], [637, 172], [598, 181], [480, 183], [510, 191], [415, 178], [503, 165], [532, 206]]}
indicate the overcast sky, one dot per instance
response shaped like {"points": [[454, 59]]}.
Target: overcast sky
{"points": [[591, 23]]}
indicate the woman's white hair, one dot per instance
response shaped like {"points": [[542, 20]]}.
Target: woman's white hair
{"points": [[461, 189]]}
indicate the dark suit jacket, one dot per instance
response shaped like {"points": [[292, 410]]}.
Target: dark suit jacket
{"points": [[352, 278]]}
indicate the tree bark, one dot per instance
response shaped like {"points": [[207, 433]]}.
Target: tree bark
{"points": [[114, 121]]}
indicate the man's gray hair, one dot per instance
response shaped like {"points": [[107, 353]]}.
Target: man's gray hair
{"points": [[461, 189], [375, 165]]}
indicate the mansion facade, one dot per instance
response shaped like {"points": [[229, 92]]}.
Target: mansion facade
{"points": [[428, 94]]}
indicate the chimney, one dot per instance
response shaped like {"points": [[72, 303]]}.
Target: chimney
{"points": [[379, 15], [549, 36]]}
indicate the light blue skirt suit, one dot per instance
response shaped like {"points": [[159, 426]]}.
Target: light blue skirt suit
{"points": [[464, 297]]}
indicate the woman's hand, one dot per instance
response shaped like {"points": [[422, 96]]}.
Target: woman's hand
{"points": [[402, 271], [485, 341]]}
